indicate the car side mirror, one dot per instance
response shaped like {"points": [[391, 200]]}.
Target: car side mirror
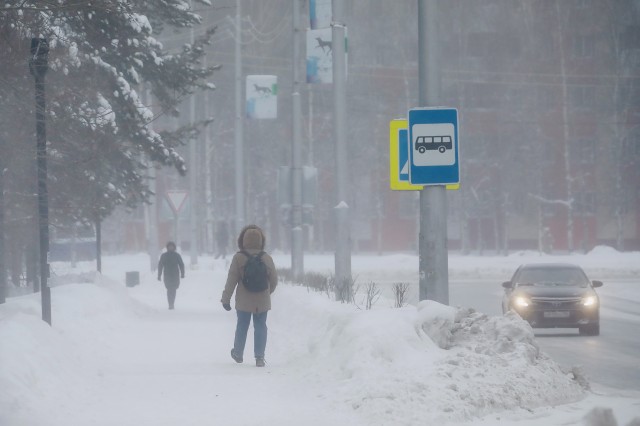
{"points": [[507, 284], [596, 283]]}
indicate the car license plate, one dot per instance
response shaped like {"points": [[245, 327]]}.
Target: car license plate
{"points": [[556, 314]]}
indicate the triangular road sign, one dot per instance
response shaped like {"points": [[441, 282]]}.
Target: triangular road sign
{"points": [[176, 200], [405, 168]]}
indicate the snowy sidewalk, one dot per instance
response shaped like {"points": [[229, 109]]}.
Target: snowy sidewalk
{"points": [[133, 362]]}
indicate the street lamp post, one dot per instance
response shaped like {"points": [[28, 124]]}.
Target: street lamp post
{"points": [[297, 254], [342, 210], [38, 66], [3, 271]]}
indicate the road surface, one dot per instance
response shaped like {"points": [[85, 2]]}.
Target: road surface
{"points": [[610, 359]]}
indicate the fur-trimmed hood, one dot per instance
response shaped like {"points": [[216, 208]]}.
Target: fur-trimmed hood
{"points": [[251, 238]]}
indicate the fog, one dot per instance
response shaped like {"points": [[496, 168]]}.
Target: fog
{"points": [[548, 94], [548, 99]]}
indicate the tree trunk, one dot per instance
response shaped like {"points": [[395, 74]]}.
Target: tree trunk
{"points": [[98, 244], [540, 230], [505, 226]]}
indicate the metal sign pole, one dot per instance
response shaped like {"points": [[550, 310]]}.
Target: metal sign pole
{"points": [[3, 270], [433, 263], [176, 224], [239, 140], [343, 232], [297, 256]]}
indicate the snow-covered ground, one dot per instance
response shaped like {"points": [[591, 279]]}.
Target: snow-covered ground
{"points": [[117, 356]]}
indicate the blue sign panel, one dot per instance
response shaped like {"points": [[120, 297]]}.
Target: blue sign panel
{"points": [[403, 147], [433, 146]]}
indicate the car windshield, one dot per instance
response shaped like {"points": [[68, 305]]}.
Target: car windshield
{"points": [[552, 277]]}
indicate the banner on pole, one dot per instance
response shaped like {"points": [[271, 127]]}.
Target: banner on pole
{"points": [[262, 96], [319, 56]]}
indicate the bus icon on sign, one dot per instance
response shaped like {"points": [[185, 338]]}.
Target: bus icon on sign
{"points": [[432, 143]]}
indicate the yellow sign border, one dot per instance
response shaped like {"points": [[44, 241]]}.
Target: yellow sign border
{"points": [[394, 158]]}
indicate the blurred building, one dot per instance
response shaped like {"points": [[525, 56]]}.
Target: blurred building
{"points": [[549, 100]]}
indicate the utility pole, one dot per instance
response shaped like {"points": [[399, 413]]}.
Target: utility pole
{"points": [[343, 232], [239, 142], [3, 269], [38, 66], [433, 263], [297, 256], [193, 170]]}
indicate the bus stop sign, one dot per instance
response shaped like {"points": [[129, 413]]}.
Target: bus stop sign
{"points": [[433, 146]]}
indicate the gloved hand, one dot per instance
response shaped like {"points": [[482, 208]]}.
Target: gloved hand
{"points": [[226, 306]]}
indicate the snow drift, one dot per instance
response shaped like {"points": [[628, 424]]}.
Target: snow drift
{"points": [[430, 362]]}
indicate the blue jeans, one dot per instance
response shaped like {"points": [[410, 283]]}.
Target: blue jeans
{"points": [[259, 333]]}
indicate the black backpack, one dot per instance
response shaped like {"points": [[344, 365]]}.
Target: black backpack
{"points": [[255, 277]]}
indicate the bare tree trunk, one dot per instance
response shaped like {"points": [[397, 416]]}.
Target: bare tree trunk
{"points": [[16, 265], [505, 226], [98, 225], [74, 245], [619, 227], [31, 260], [479, 233], [496, 233], [540, 230]]}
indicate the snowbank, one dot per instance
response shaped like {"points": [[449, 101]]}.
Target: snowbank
{"points": [[425, 364], [42, 365]]}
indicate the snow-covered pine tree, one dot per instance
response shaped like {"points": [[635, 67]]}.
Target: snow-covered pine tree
{"points": [[102, 53]]}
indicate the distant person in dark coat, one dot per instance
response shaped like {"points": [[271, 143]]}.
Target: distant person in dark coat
{"points": [[173, 266], [222, 239]]}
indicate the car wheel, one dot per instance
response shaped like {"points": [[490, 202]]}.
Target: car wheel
{"points": [[442, 149], [421, 150], [590, 330]]}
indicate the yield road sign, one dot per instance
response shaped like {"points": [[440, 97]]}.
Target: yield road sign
{"points": [[399, 157], [176, 200], [433, 146]]}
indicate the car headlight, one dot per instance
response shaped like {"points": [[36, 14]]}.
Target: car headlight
{"points": [[589, 301], [522, 302]]}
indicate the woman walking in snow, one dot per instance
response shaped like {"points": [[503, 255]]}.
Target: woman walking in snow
{"points": [[173, 266], [252, 275]]}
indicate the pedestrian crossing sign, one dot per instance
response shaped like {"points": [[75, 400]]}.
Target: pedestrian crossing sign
{"points": [[399, 157]]}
